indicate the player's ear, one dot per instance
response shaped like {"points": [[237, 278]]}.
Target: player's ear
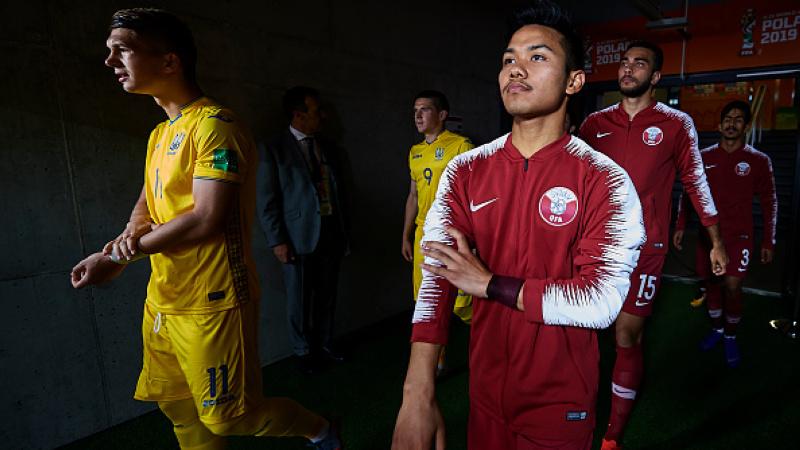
{"points": [[172, 63], [655, 77], [575, 81], [443, 115]]}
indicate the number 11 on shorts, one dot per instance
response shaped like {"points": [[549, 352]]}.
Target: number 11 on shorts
{"points": [[212, 380]]}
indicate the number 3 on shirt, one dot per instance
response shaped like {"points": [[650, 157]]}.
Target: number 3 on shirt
{"points": [[647, 286]]}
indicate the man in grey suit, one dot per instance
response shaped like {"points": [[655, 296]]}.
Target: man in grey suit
{"points": [[302, 217]]}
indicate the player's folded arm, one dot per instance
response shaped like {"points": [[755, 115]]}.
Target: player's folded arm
{"points": [[607, 254]]}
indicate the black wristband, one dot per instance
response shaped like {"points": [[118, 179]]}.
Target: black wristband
{"points": [[504, 290]]}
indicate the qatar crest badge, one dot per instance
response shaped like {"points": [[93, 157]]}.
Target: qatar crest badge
{"points": [[742, 169], [652, 136], [558, 206]]}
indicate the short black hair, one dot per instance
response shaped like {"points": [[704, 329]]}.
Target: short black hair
{"points": [[438, 98], [658, 54], [551, 15], [736, 104], [295, 99], [164, 30]]}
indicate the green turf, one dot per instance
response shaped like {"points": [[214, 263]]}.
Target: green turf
{"points": [[689, 399]]}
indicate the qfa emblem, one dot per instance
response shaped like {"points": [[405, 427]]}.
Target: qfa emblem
{"points": [[176, 143], [652, 136], [439, 153], [742, 169], [558, 206]]}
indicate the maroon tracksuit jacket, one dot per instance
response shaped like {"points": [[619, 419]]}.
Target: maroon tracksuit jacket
{"points": [[650, 148], [568, 221], [734, 179]]}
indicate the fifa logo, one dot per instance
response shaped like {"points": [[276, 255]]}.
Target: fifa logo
{"points": [[748, 22]]}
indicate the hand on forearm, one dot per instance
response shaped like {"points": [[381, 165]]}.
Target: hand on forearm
{"points": [[126, 245], [460, 266]]}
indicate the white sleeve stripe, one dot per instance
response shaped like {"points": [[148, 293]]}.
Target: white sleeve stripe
{"points": [[598, 304], [698, 174]]}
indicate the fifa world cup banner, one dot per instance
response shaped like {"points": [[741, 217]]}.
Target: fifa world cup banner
{"points": [[727, 35]]}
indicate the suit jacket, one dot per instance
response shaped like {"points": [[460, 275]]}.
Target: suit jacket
{"points": [[287, 201]]}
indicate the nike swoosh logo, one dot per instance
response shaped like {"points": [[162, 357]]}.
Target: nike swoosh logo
{"points": [[601, 135], [711, 166], [638, 303], [473, 207]]}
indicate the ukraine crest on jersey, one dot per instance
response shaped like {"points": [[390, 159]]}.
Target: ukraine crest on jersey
{"points": [[203, 142], [428, 161]]}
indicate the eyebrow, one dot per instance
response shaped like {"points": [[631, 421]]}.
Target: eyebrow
{"points": [[531, 48]]}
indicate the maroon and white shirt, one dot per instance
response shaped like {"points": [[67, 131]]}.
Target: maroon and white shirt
{"points": [[734, 179], [566, 220], [650, 148]]}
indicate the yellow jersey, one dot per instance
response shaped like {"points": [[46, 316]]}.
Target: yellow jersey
{"points": [[428, 161], [205, 141]]}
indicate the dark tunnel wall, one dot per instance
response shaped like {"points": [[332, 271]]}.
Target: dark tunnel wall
{"points": [[74, 157]]}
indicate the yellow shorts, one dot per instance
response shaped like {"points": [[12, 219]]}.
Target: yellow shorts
{"points": [[463, 305], [212, 358]]}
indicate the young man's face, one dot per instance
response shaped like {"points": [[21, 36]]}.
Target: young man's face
{"points": [[533, 80], [635, 74], [427, 118], [732, 126], [136, 64]]}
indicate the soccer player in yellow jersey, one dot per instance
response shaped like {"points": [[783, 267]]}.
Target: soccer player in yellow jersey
{"points": [[193, 220], [426, 161]]}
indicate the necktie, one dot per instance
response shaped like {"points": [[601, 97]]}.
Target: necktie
{"points": [[311, 157]]}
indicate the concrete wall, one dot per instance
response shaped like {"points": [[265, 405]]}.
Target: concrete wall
{"points": [[73, 160]]}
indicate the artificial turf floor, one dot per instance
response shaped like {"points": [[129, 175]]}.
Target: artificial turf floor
{"points": [[689, 399]]}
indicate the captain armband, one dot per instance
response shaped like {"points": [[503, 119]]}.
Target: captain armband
{"points": [[504, 290]]}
